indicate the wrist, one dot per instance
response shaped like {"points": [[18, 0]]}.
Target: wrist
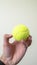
{"points": [[3, 59], [6, 62], [10, 62]]}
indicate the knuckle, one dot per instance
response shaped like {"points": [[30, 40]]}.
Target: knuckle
{"points": [[5, 35]]}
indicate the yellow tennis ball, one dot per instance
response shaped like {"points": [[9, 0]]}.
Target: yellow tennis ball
{"points": [[20, 32]]}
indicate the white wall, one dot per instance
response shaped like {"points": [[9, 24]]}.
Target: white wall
{"points": [[13, 12]]}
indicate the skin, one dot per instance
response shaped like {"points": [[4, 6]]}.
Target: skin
{"points": [[13, 53]]}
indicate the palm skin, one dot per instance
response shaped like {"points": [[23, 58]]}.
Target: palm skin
{"points": [[13, 53]]}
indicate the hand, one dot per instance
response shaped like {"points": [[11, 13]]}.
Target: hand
{"points": [[13, 53]]}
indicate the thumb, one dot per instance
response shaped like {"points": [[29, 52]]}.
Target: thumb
{"points": [[6, 39]]}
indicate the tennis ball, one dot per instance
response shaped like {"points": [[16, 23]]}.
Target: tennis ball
{"points": [[20, 32]]}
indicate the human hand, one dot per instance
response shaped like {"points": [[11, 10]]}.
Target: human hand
{"points": [[13, 53]]}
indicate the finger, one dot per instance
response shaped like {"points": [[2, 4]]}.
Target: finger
{"points": [[22, 41], [6, 38], [29, 40]]}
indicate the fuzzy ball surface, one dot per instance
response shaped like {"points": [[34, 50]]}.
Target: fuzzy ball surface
{"points": [[20, 32]]}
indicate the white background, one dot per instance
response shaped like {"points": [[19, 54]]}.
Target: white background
{"points": [[14, 12]]}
